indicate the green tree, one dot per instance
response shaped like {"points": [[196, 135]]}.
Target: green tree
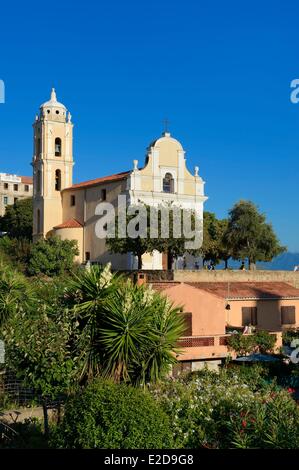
{"points": [[224, 251], [249, 236], [112, 416], [171, 244], [18, 219], [38, 350], [52, 256], [214, 247]]}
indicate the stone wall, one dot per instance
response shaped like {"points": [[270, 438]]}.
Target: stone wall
{"points": [[290, 277]]}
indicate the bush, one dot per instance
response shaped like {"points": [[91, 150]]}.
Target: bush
{"points": [[221, 411], [262, 342], [107, 415], [52, 256], [241, 344]]}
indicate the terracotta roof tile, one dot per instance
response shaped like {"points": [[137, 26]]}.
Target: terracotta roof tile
{"points": [[104, 179], [71, 223], [163, 285], [237, 290], [27, 179], [248, 290]]}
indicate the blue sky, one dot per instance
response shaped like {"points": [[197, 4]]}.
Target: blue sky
{"points": [[219, 71]]}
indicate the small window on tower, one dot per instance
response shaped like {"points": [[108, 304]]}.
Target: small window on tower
{"points": [[38, 148], [57, 112], [57, 180], [57, 147], [38, 181], [73, 200], [103, 195], [38, 221]]}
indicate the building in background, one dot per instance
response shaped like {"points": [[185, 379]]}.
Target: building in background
{"points": [[69, 210], [12, 188]]}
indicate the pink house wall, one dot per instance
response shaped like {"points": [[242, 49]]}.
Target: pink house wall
{"points": [[268, 312], [208, 313]]}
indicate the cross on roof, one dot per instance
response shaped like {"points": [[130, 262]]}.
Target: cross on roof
{"points": [[166, 125]]}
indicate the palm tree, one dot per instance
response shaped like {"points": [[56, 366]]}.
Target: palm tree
{"points": [[16, 294], [86, 294], [126, 332]]}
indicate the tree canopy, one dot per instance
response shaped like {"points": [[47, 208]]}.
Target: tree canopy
{"points": [[170, 236], [18, 219], [249, 236]]}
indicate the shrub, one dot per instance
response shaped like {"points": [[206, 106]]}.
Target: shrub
{"points": [[108, 415], [265, 342], [52, 256], [241, 344], [221, 411], [262, 342]]}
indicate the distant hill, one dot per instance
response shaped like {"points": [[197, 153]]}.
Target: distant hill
{"points": [[284, 262]]}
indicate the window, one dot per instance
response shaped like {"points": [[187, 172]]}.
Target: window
{"points": [[16, 187], [15, 199], [38, 221], [5, 185], [187, 316], [288, 315], [168, 183], [26, 188], [57, 180], [87, 256], [57, 147], [249, 316], [38, 148], [73, 200], [57, 112], [103, 194], [38, 181], [5, 200]]}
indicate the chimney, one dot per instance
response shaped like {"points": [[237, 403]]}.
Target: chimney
{"points": [[141, 279]]}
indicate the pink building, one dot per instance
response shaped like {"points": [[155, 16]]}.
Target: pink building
{"points": [[214, 308]]}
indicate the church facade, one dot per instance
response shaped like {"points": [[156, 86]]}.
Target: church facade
{"points": [[69, 210]]}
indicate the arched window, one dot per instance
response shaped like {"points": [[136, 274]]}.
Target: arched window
{"points": [[38, 221], [38, 181], [57, 180], [57, 147], [38, 148], [168, 183]]}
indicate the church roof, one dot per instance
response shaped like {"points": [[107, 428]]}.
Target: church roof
{"points": [[71, 223], [104, 179]]}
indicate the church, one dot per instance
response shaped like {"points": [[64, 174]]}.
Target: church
{"points": [[69, 210]]}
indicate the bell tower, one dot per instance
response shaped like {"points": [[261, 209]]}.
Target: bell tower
{"points": [[52, 164]]}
